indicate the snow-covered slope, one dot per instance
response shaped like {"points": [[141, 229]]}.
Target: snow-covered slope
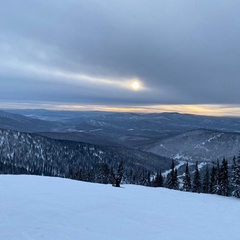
{"points": [[34, 208], [38, 154], [198, 145]]}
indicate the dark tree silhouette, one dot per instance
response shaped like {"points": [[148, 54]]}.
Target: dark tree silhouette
{"points": [[224, 181], [187, 185], [119, 175], [158, 181], [206, 182], [236, 178], [196, 187], [172, 178]]}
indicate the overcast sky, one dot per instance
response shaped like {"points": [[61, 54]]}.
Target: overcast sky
{"points": [[120, 53]]}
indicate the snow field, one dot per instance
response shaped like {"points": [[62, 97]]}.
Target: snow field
{"points": [[34, 208]]}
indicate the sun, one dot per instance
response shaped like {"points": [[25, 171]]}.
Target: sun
{"points": [[135, 85]]}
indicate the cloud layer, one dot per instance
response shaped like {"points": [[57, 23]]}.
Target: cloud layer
{"points": [[89, 52]]}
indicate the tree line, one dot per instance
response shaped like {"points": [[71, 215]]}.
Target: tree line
{"points": [[105, 172], [221, 179]]}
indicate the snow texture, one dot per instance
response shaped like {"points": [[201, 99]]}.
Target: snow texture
{"points": [[34, 208]]}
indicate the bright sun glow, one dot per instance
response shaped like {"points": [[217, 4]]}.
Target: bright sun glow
{"points": [[135, 85]]}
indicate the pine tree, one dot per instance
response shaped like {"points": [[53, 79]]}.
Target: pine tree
{"points": [[172, 179], [213, 180], [206, 182], [175, 182], [143, 178], [217, 186], [103, 173], [224, 181], [119, 176], [158, 181], [196, 187], [236, 178], [187, 180]]}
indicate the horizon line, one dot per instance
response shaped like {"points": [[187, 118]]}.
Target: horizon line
{"points": [[214, 110]]}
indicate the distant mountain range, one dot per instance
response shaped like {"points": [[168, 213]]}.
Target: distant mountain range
{"points": [[22, 123], [183, 137], [117, 129]]}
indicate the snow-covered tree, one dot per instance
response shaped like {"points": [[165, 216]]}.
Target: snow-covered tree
{"points": [[235, 183], [224, 179], [187, 185], [206, 182], [217, 185], [196, 186], [103, 173], [213, 179], [172, 178]]}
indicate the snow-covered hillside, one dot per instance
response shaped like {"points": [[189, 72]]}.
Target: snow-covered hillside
{"points": [[34, 208], [34, 154], [198, 145]]}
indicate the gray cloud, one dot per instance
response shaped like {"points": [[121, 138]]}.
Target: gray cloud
{"points": [[183, 51]]}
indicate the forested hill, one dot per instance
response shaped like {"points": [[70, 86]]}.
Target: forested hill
{"points": [[35, 154], [198, 145]]}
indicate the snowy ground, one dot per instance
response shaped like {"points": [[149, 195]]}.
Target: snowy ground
{"points": [[34, 208]]}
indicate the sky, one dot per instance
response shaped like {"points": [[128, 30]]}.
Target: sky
{"points": [[121, 55]]}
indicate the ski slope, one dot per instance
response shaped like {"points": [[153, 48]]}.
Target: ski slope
{"points": [[34, 208]]}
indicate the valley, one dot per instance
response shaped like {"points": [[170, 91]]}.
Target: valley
{"points": [[173, 135], [75, 144]]}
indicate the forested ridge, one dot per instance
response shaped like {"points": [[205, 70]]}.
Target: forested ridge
{"points": [[26, 153]]}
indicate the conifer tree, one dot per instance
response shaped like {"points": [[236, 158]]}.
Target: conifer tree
{"points": [[213, 180], [158, 181], [119, 175], [172, 179], [206, 182], [143, 178], [224, 181], [187, 180], [217, 186], [196, 187], [103, 173], [170, 176], [175, 181], [236, 179]]}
